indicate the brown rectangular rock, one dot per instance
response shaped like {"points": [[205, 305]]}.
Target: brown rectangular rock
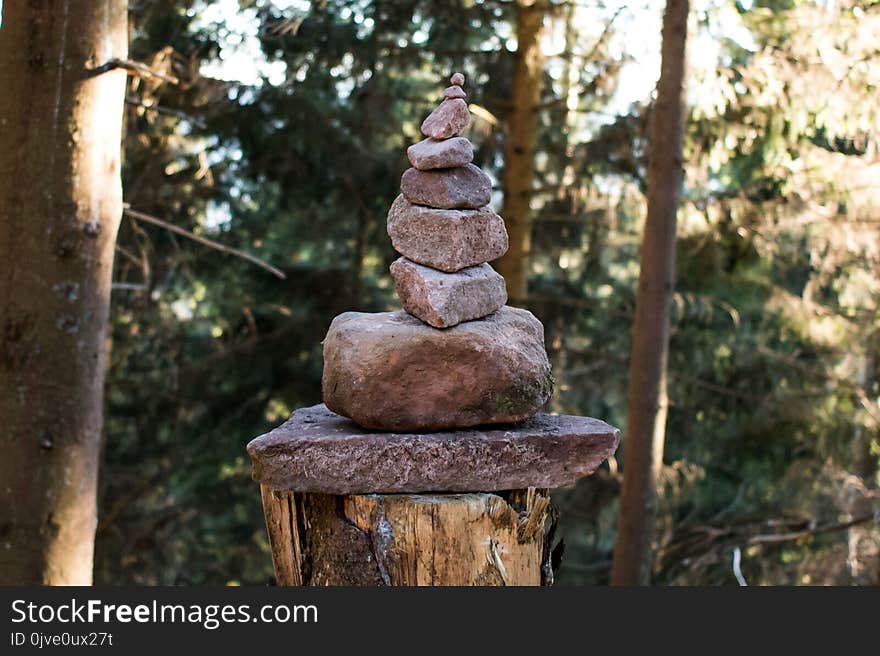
{"points": [[446, 299], [462, 187], [447, 240], [319, 451]]}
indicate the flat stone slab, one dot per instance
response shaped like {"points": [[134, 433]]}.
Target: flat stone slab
{"points": [[319, 451], [447, 240], [391, 371], [462, 187], [446, 299]]}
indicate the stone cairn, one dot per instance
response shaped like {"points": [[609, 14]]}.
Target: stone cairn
{"points": [[458, 356], [399, 478]]}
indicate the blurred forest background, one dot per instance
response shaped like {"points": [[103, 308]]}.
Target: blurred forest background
{"points": [[281, 130]]}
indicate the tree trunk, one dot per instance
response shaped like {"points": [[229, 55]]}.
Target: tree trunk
{"points": [[863, 558], [519, 147], [409, 539], [646, 393], [60, 205]]}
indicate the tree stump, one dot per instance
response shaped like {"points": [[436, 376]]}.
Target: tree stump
{"points": [[408, 539], [346, 506]]}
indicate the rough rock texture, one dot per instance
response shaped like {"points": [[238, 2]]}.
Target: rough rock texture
{"points": [[464, 187], [447, 240], [446, 299], [457, 79], [454, 91], [434, 154], [448, 120], [389, 371], [319, 451]]}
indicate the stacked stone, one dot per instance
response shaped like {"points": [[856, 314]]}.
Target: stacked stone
{"points": [[443, 226], [458, 356]]}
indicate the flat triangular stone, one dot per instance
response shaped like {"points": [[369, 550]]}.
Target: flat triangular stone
{"points": [[463, 187], [446, 299], [390, 371], [440, 154], [454, 91], [319, 451], [448, 120], [447, 240]]}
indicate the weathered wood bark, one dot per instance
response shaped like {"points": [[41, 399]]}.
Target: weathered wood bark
{"points": [[520, 143], [60, 205], [409, 539], [646, 392], [859, 490]]}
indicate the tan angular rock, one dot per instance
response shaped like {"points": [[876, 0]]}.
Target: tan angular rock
{"points": [[446, 299], [463, 187], [447, 240], [389, 371], [448, 120], [440, 154]]}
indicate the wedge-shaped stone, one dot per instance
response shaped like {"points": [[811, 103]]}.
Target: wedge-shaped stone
{"points": [[448, 120], [446, 299], [319, 451], [436, 154], [447, 240], [464, 187], [454, 91], [389, 371]]}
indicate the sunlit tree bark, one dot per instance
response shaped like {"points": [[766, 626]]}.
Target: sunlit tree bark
{"points": [[863, 559], [646, 391], [520, 144], [60, 205]]}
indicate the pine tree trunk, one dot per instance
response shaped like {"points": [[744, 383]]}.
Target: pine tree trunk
{"points": [[646, 393], [60, 205], [520, 143], [863, 558]]}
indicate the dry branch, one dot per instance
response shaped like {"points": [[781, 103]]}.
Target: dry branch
{"points": [[159, 109], [136, 68], [210, 243], [827, 528]]}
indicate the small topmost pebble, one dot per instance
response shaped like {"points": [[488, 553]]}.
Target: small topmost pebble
{"points": [[457, 79]]}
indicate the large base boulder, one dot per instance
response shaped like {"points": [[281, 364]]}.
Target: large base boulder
{"points": [[389, 371]]}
